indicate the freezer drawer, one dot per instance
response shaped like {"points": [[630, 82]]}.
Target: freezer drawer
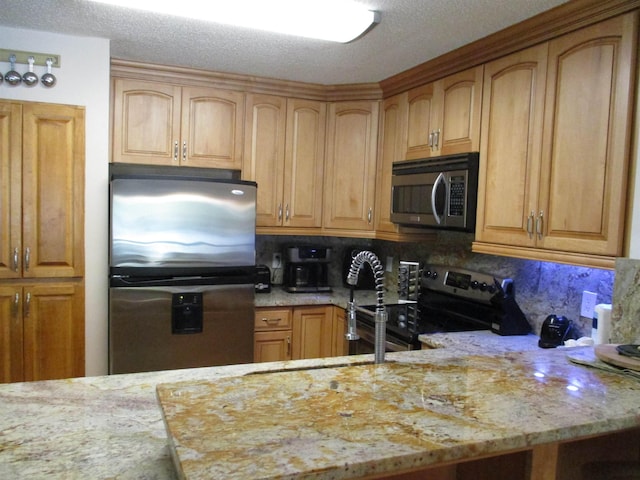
{"points": [[169, 327]]}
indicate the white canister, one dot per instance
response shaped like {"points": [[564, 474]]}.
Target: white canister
{"points": [[601, 327]]}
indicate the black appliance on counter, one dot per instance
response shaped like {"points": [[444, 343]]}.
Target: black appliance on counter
{"points": [[263, 279], [555, 330], [307, 269], [449, 300]]}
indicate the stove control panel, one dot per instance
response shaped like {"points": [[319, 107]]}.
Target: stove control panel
{"points": [[476, 286]]}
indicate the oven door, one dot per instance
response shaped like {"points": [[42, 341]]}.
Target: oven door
{"points": [[366, 342]]}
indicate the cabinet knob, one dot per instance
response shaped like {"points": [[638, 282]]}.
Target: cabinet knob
{"points": [[27, 304], [279, 212], [540, 224], [184, 151], [286, 214], [27, 259], [16, 257], [175, 151]]}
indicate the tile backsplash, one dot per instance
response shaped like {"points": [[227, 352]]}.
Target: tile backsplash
{"points": [[542, 288]]}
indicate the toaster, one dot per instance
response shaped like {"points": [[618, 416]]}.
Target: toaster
{"points": [[555, 330], [263, 279]]}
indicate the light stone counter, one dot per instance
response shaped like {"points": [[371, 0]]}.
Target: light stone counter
{"points": [[339, 297], [434, 405]]}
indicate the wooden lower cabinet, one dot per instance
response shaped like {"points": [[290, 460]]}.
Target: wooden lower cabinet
{"points": [[42, 329], [605, 457], [299, 332]]}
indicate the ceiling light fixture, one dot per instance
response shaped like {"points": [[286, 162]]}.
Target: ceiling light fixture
{"points": [[334, 20]]}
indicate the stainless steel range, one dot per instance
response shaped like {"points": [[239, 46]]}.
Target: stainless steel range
{"points": [[438, 298]]}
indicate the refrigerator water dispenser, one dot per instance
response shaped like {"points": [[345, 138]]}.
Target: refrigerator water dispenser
{"points": [[186, 314]]}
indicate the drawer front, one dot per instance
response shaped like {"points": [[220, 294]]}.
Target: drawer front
{"points": [[273, 319]]}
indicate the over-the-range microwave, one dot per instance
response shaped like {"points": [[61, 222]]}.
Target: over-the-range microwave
{"points": [[438, 192]]}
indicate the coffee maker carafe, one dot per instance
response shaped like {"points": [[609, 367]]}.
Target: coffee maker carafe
{"points": [[306, 270]]}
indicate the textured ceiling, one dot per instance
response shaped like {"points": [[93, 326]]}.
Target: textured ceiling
{"points": [[410, 33]]}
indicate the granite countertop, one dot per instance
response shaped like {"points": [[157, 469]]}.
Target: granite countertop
{"points": [[339, 296], [431, 405]]}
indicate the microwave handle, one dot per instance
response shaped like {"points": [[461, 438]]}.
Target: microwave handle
{"points": [[439, 179]]}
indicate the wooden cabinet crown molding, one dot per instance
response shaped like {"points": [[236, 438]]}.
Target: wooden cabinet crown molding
{"points": [[244, 83], [547, 25]]}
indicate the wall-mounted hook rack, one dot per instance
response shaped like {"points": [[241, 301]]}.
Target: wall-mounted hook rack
{"points": [[23, 57]]}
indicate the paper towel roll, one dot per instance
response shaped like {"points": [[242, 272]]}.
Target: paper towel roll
{"points": [[601, 328]]}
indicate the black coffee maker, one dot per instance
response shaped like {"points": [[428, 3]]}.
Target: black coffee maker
{"points": [[306, 270]]}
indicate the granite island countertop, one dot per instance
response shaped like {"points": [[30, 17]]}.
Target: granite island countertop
{"points": [[111, 426]]}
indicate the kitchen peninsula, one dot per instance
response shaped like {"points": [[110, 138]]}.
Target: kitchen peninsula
{"points": [[526, 411]]}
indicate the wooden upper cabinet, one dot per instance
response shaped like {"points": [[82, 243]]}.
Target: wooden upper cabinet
{"points": [[392, 142], [350, 169], [554, 158], [42, 174], [586, 138], [11, 189], [146, 122], [304, 163], [284, 154], [264, 155], [512, 115], [163, 124], [444, 116], [212, 128]]}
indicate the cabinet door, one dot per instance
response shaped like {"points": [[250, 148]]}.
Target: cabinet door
{"points": [[304, 163], [512, 114], [211, 128], [458, 124], [53, 331], [272, 346], [312, 332], [340, 343], [53, 191], [391, 149], [586, 140], [351, 165], [11, 365], [10, 189], [146, 122], [264, 155], [422, 121]]}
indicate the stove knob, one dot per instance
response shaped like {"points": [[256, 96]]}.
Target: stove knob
{"points": [[491, 289], [483, 287], [474, 285]]}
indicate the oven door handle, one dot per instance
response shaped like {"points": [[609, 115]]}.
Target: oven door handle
{"points": [[434, 191]]}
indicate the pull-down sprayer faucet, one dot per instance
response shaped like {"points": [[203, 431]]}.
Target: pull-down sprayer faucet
{"points": [[381, 313]]}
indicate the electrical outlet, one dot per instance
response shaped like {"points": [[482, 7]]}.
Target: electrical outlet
{"points": [[389, 265], [588, 304], [276, 260]]}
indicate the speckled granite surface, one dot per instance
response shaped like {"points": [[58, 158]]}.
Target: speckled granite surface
{"points": [[625, 315], [111, 427]]}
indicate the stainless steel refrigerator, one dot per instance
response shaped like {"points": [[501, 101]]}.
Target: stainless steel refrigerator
{"points": [[182, 268]]}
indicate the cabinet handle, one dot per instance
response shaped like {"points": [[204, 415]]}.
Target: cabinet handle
{"points": [[271, 321], [288, 346], [27, 259], [539, 224], [370, 215], [27, 305], [430, 139], [530, 224], [437, 137], [286, 213], [15, 259], [184, 151], [279, 212], [175, 151], [16, 303]]}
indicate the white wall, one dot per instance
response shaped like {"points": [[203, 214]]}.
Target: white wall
{"points": [[83, 79]]}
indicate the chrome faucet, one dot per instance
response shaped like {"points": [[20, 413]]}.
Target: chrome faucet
{"points": [[381, 313]]}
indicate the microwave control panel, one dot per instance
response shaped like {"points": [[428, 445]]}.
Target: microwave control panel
{"points": [[457, 197]]}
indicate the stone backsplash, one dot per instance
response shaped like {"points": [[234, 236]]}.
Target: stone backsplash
{"points": [[542, 288]]}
